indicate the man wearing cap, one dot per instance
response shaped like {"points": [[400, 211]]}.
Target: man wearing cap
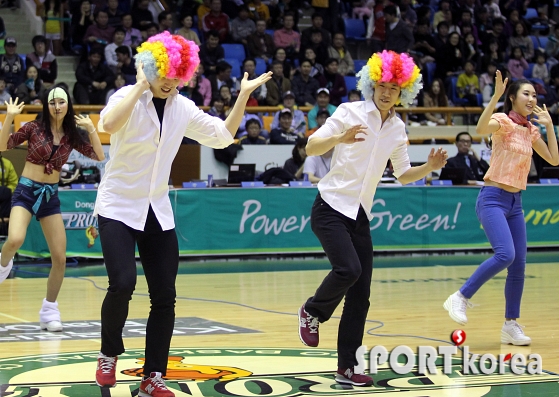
{"points": [[298, 124], [11, 65], [364, 136], [285, 135], [322, 103]]}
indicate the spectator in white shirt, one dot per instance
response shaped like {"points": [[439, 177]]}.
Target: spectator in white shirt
{"points": [[316, 167], [147, 122], [110, 49], [364, 135]]}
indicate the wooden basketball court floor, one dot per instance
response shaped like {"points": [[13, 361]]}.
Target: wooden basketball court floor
{"points": [[239, 317]]}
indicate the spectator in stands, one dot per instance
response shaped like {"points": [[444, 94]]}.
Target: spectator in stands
{"points": [[435, 96], [221, 77], [133, 36], [259, 12], [258, 96], [552, 46], [511, 19], [11, 65], [53, 28], [288, 67], [471, 50], [125, 64], [242, 127], [4, 94], [287, 38], [216, 20], [9, 178], [316, 167], [242, 26], [322, 103], [424, 47], [316, 68], [199, 88], [284, 134], [321, 118], [376, 28], [114, 13], [353, 96], [295, 164], [141, 15], [211, 53], [317, 45], [340, 52], [81, 21], [31, 91], [467, 158], [110, 50], [540, 70], [517, 63], [492, 7], [93, 80], [100, 33], [483, 25], [43, 60], [552, 96], [253, 136], [316, 24], [334, 81], [441, 37], [165, 21], [466, 24], [119, 83], [521, 39], [151, 30], [468, 84], [444, 5], [493, 55], [304, 86], [277, 85], [450, 61], [218, 108], [261, 44], [298, 123], [399, 36], [487, 81], [498, 34], [202, 11], [363, 10], [186, 30], [227, 96], [408, 14]]}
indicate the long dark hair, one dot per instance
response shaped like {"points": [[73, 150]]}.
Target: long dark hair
{"points": [[76, 135], [442, 99], [301, 143], [512, 91]]}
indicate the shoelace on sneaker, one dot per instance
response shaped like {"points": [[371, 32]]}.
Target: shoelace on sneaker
{"points": [[517, 329], [159, 382], [312, 324], [462, 304], [106, 364]]}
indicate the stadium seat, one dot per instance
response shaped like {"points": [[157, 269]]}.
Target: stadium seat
{"points": [[234, 51], [535, 42], [543, 41], [431, 67], [456, 100], [531, 13], [354, 29], [358, 64], [528, 72], [21, 119], [350, 82], [235, 67], [260, 66], [267, 122]]}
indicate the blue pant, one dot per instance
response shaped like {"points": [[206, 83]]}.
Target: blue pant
{"points": [[500, 214]]}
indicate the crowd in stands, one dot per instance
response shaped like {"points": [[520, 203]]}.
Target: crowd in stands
{"points": [[458, 45]]}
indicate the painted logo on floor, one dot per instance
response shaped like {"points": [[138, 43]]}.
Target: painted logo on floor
{"points": [[240, 372]]}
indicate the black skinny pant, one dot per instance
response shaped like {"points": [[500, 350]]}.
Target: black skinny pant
{"points": [[159, 254], [349, 248]]}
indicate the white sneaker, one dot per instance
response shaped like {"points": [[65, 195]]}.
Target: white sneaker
{"points": [[456, 305], [5, 270], [49, 317], [513, 334]]}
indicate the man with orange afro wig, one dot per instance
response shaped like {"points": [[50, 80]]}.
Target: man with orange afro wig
{"points": [[147, 122], [364, 135]]}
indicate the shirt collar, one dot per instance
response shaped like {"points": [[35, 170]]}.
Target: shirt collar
{"points": [[148, 95]]}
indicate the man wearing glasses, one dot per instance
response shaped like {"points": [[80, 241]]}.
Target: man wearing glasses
{"points": [[467, 158]]}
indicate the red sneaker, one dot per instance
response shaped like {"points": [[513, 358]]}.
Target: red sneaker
{"points": [[308, 328], [348, 377], [154, 386], [105, 376]]}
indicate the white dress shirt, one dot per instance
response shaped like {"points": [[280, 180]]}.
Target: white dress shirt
{"points": [[356, 169], [137, 173]]}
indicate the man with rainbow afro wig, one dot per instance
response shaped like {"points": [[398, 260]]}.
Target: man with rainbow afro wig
{"points": [[147, 122], [365, 135]]}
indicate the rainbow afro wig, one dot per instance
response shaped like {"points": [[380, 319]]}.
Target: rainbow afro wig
{"points": [[168, 56], [390, 67]]}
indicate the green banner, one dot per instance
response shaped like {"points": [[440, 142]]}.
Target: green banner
{"points": [[277, 220]]}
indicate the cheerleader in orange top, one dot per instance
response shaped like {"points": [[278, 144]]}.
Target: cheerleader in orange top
{"points": [[499, 204]]}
